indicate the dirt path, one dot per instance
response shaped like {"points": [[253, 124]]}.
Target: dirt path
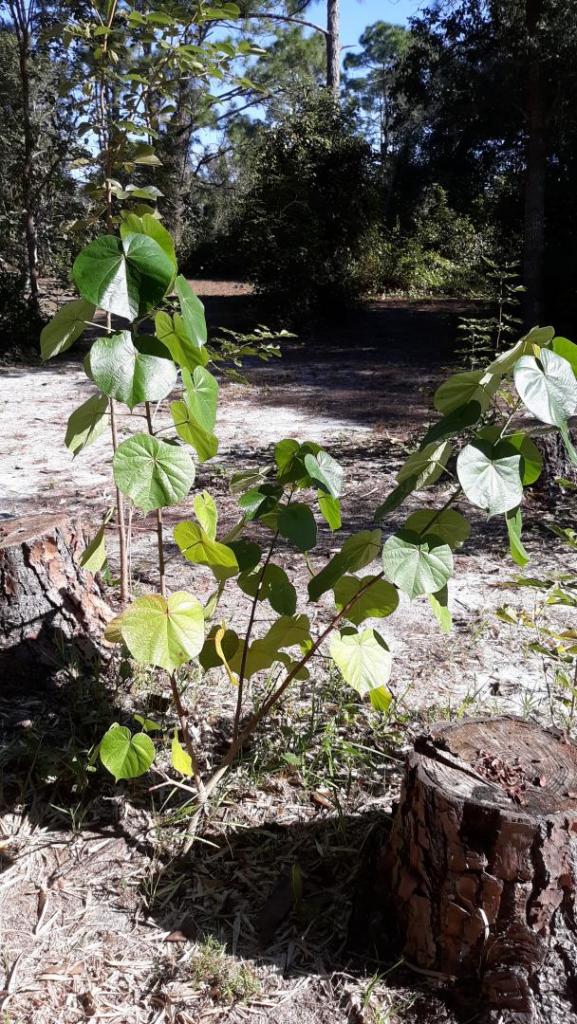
{"points": [[96, 916]]}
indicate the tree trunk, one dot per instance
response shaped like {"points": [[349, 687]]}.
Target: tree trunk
{"points": [[50, 609], [482, 865], [28, 214], [536, 158], [333, 47]]}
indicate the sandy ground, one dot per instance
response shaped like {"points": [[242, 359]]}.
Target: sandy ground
{"points": [[94, 913]]}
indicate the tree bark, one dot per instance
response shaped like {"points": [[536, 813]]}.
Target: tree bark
{"points": [[50, 609], [333, 48], [21, 17], [482, 865], [535, 175]]}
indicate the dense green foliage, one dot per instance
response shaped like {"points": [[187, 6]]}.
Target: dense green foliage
{"points": [[304, 243]]}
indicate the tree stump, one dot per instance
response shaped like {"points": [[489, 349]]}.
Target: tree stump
{"points": [[48, 604], [482, 865]]}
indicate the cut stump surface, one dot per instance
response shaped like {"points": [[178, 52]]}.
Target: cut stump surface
{"points": [[48, 604], [482, 864]]}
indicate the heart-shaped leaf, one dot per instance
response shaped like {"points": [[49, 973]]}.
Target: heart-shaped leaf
{"points": [[86, 423], [66, 326], [376, 602], [192, 311], [126, 756], [359, 550], [297, 523], [326, 471], [201, 396], [490, 475], [130, 376], [171, 332], [363, 659], [547, 387], [532, 460], [126, 277], [424, 467], [206, 512], [417, 565], [462, 388], [330, 509], [165, 632], [146, 224], [446, 524], [199, 548], [204, 443], [273, 586], [152, 472]]}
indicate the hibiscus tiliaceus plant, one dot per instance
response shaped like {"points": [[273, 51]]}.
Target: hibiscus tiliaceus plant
{"points": [[486, 419]]}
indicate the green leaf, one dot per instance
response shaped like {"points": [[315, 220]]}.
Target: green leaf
{"points": [[490, 475], [126, 756], [133, 224], [66, 326], [326, 471], [548, 389], [171, 333], [165, 632], [425, 466], [206, 512], [124, 277], [530, 344], [448, 525], [144, 154], [417, 565], [380, 698], [147, 724], [532, 460], [454, 423], [275, 587], [192, 311], [363, 659], [376, 602], [514, 521], [179, 758], [439, 602], [130, 376], [199, 548], [204, 443], [564, 348], [86, 423], [359, 550], [297, 524], [152, 472], [248, 554], [463, 388], [330, 510], [284, 455], [256, 503], [94, 555], [209, 656], [201, 396], [286, 632]]}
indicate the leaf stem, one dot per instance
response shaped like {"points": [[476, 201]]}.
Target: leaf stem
{"points": [[239, 740], [253, 608], [159, 525], [183, 721]]}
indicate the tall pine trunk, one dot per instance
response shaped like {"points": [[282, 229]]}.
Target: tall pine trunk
{"points": [[333, 47], [536, 159], [21, 19]]}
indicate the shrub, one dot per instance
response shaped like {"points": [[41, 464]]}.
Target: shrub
{"points": [[310, 237]]}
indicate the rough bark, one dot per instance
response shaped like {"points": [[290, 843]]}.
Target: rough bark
{"points": [[536, 160], [333, 47], [482, 865], [50, 608]]}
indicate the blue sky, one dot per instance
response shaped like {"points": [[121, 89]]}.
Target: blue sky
{"points": [[356, 14]]}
